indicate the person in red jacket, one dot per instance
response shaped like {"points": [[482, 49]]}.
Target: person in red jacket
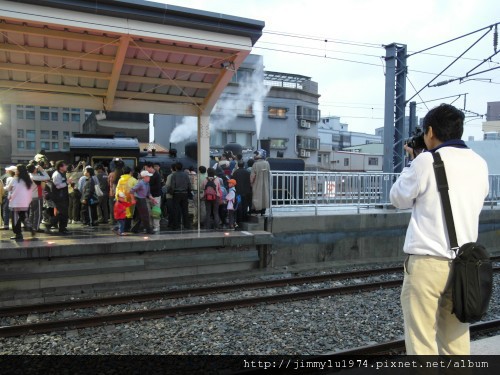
{"points": [[120, 213]]}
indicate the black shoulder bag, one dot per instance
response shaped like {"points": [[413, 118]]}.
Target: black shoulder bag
{"points": [[472, 272]]}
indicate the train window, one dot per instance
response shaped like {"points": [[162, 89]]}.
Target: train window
{"points": [[372, 161], [346, 162]]}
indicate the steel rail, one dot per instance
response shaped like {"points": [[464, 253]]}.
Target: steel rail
{"points": [[68, 324], [189, 292]]}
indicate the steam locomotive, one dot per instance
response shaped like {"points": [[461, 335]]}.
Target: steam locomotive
{"points": [[99, 149]]}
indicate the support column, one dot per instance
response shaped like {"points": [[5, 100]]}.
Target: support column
{"points": [[203, 140]]}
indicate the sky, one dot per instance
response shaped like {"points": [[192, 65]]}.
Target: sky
{"points": [[340, 45]]}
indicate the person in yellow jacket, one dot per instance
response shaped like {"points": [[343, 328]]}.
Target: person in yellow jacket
{"points": [[125, 183]]}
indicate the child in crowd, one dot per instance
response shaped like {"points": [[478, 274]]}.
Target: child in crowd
{"points": [[120, 213], [231, 199]]}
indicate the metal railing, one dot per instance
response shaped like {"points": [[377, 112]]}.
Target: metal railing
{"points": [[291, 189]]}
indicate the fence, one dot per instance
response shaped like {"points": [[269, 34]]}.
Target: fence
{"points": [[330, 189]]}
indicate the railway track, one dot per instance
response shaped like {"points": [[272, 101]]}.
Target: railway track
{"points": [[189, 292], [138, 315]]}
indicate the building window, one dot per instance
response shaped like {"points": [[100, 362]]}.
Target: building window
{"points": [[66, 117], [44, 116], [248, 112], [20, 114], [54, 116], [66, 136], [55, 146], [45, 145], [20, 133], [65, 146], [44, 134], [346, 162], [277, 112], [30, 145], [31, 135], [372, 161], [308, 113], [277, 143], [75, 117], [308, 143], [30, 115], [20, 145], [55, 134]]}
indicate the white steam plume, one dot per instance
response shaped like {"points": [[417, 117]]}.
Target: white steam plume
{"points": [[251, 92], [186, 130]]}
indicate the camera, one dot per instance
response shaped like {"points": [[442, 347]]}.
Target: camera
{"points": [[416, 141]]}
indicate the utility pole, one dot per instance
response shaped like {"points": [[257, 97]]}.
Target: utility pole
{"points": [[395, 102]]}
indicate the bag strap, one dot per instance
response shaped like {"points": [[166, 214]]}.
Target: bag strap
{"points": [[442, 185]]}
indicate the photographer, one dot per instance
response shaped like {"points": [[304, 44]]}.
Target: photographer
{"points": [[430, 327]]}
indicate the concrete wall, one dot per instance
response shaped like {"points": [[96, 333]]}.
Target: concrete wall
{"points": [[359, 237]]}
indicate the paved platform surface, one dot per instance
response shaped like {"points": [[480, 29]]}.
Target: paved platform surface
{"points": [[487, 346]]}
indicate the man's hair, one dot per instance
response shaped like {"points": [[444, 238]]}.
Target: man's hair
{"points": [[447, 122], [149, 164], [202, 169], [59, 164], [178, 166], [211, 172]]}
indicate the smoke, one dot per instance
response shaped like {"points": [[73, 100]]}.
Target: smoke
{"points": [[250, 94], [186, 130]]}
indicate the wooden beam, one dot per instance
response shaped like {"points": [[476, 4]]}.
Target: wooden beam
{"points": [[117, 69], [158, 97], [58, 34], [165, 82], [181, 50], [48, 99], [16, 85], [69, 55], [172, 66], [53, 71]]}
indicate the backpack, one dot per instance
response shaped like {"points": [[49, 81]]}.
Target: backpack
{"points": [[47, 192], [210, 191], [471, 282], [237, 201]]}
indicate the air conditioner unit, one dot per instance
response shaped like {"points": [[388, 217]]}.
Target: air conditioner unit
{"points": [[304, 153], [308, 154], [305, 124]]}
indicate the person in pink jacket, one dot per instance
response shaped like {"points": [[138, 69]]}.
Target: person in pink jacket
{"points": [[19, 200]]}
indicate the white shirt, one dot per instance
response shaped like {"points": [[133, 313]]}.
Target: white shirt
{"points": [[416, 188]]}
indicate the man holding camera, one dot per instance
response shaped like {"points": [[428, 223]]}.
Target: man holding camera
{"points": [[430, 327]]}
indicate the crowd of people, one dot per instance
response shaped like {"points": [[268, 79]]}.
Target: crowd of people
{"points": [[44, 196]]}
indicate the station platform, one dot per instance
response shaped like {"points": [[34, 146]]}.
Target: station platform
{"points": [[93, 260], [486, 346]]}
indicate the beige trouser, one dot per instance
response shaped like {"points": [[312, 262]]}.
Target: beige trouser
{"points": [[430, 327]]}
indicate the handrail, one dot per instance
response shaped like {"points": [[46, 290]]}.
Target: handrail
{"points": [[294, 189]]}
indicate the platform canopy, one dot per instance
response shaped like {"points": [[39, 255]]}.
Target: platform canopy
{"points": [[119, 55]]}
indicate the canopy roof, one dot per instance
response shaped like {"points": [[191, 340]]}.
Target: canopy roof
{"points": [[119, 55]]}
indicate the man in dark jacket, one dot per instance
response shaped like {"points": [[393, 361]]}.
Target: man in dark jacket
{"points": [[180, 187], [244, 190]]}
